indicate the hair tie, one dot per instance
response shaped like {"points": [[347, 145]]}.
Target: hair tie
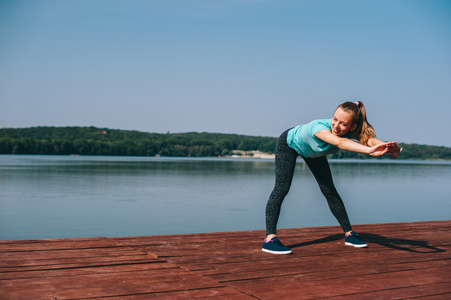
{"points": [[357, 103]]}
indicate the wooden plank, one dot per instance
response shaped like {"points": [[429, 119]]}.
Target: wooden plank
{"points": [[65, 270], [42, 256], [428, 291], [56, 244], [210, 293], [49, 264]]}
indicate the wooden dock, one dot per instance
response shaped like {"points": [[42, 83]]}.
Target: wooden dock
{"points": [[403, 261]]}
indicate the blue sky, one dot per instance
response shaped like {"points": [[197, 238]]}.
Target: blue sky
{"points": [[254, 67]]}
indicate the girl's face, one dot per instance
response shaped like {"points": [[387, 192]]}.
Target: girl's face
{"points": [[342, 122]]}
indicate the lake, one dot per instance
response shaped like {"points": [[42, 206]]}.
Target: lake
{"points": [[90, 196]]}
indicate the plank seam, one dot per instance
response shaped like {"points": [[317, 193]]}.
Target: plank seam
{"points": [[393, 289]]}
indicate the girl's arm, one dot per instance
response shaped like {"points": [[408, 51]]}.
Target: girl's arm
{"points": [[349, 145]]}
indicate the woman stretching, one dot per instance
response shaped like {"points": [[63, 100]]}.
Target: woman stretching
{"points": [[313, 141]]}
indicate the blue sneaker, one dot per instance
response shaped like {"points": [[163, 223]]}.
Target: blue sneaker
{"points": [[274, 246], [354, 240]]}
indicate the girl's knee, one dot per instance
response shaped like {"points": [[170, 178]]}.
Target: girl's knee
{"points": [[281, 189]]}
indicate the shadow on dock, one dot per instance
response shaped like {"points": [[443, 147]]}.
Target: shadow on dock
{"points": [[394, 243]]}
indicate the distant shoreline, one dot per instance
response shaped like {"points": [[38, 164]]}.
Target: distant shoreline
{"points": [[113, 142]]}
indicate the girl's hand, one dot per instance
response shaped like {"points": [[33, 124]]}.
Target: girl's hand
{"points": [[381, 149], [394, 150]]}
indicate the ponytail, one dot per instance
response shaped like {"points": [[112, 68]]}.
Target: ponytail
{"points": [[364, 131]]}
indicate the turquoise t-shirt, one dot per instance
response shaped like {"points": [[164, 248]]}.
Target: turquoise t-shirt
{"points": [[302, 139]]}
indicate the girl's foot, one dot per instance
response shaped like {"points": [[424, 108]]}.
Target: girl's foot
{"points": [[353, 239], [274, 246]]}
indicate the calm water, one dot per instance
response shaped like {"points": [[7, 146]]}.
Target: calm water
{"points": [[63, 196]]}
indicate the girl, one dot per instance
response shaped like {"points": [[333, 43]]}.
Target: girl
{"points": [[313, 141]]}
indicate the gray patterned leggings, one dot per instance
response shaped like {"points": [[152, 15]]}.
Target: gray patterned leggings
{"points": [[285, 164]]}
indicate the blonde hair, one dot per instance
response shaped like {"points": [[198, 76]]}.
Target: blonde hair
{"points": [[364, 131]]}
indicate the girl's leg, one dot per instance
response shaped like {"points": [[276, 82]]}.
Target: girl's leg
{"points": [[285, 163], [321, 170]]}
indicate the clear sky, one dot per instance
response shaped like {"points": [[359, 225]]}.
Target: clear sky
{"points": [[254, 67]]}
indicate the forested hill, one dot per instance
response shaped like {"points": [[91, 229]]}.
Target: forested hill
{"points": [[103, 141]]}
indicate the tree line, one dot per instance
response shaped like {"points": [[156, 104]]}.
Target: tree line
{"points": [[103, 141]]}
